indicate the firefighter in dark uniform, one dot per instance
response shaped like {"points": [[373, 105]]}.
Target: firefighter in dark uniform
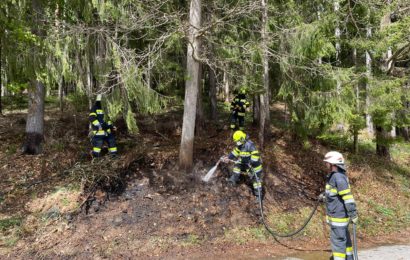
{"points": [[340, 206], [248, 161], [238, 107], [102, 131]]}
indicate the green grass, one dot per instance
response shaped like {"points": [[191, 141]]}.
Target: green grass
{"points": [[242, 235], [400, 151], [344, 142], [11, 241], [11, 149], [9, 223], [17, 102], [58, 146], [10, 230], [191, 240]]}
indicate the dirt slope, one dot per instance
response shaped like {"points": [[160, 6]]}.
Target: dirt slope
{"points": [[157, 211]]}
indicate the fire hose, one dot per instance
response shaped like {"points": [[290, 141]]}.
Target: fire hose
{"points": [[276, 234], [273, 233], [297, 231]]}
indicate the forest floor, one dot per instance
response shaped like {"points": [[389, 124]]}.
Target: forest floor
{"points": [[142, 206]]}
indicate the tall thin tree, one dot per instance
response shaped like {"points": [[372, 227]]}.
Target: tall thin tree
{"points": [[264, 123], [36, 92], [369, 123], [1, 74], [212, 93], [191, 88]]}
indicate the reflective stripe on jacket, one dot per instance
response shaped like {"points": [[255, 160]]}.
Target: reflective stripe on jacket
{"points": [[340, 204], [239, 104], [247, 154], [96, 118]]}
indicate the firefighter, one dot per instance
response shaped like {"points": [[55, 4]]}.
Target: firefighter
{"points": [[102, 131], [238, 107], [340, 206], [247, 161]]}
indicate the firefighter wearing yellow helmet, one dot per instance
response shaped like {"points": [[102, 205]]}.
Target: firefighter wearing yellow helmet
{"points": [[238, 108], [247, 161]]}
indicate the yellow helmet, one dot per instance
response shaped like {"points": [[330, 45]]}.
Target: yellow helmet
{"points": [[243, 91], [239, 136]]}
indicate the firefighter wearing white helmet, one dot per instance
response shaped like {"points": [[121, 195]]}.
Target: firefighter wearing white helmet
{"points": [[340, 206], [248, 161]]}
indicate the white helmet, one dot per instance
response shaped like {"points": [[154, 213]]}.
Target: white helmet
{"points": [[334, 157]]}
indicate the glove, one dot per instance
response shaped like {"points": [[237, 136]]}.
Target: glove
{"points": [[99, 96], [322, 197], [354, 219], [224, 159]]}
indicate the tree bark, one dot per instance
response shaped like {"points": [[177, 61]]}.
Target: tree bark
{"points": [[357, 94], [200, 118], [212, 94], [382, 147], [191, 89], [256, 109], [264, 123], [36, 95], [1, 78], [369, 121], [403, 132], [89, 79], [35, 119], [60, 93], [149, 68], [226, 87]]}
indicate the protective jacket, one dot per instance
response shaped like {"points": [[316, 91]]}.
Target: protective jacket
{"points": [[340, 204], [103, 131], [239, 104], [238, 107], [96, 117], [246, 155]]}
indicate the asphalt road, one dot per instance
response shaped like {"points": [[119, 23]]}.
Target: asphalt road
{"points": [[396, 252]]}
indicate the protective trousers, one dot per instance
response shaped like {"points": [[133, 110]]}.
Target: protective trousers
{"points": [[239, 118], [98, 142], [341, 243], [256, 178]]}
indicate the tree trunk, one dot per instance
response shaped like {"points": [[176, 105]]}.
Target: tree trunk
{"points": [[226, 87], [256, 109], [36, 94], [149, 68], [382, 147], [357, 94], [212, 94], [393, 132], [403, 132], [369, 121], [264, 124], [1, 74], [35, 119], [191, 89], [336, 8], [319, 18], [60, 93], [200, 118], [89, 79]]}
